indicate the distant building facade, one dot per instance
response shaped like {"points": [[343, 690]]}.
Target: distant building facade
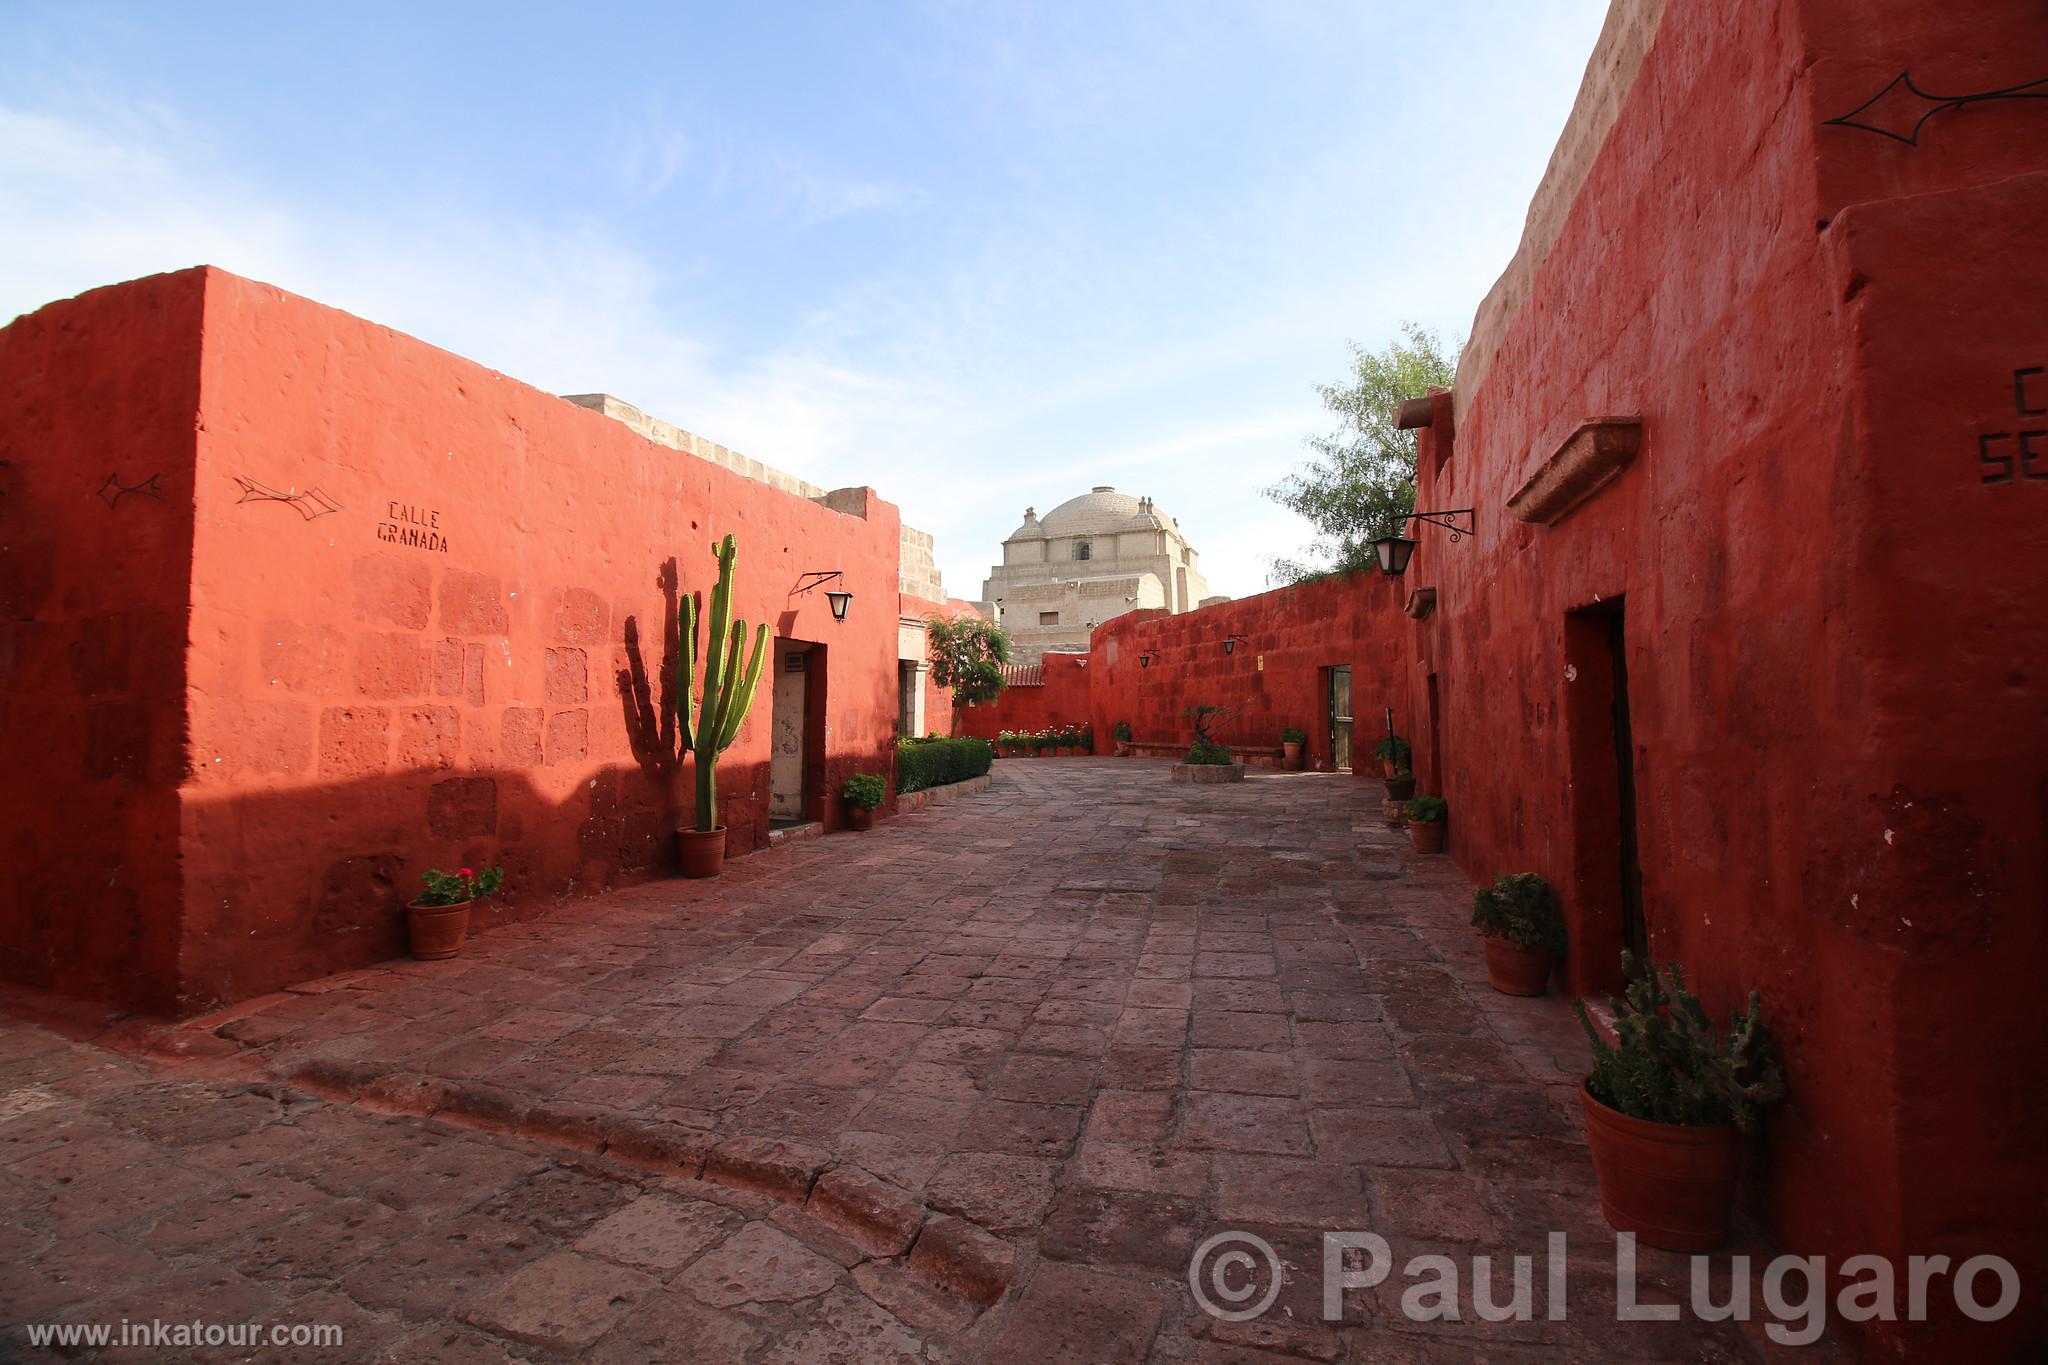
{"points": [[1089, 559]]}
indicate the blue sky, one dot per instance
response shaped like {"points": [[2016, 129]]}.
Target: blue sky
{"points": [[978, 255]]}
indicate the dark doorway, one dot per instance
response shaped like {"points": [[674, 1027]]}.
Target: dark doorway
{"points": [[1608, 890], [1340, 717], [1436, 743], [1634, 936], [907, 698], [790, 746]]}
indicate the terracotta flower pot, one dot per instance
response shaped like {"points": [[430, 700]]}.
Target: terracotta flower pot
{"points": [[437, 931], [1515, 970], [1388, 767], [1291, 749], [702, 851], [1427, 835], [1123, 750], [859, 817], [1400, 788], [1672, 1185]]}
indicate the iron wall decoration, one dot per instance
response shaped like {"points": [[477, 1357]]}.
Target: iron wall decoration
{"points": [[311, 504], [1919, 106], [113, 490], [839, 599]]}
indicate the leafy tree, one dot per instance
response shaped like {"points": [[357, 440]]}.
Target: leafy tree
{"points": [[967, 656], [1362, 482]]}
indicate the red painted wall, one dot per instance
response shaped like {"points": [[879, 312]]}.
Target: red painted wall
{"points": [[1062, 700], [1833, 625], [96, 394], [1276, 678], [360, 708]]}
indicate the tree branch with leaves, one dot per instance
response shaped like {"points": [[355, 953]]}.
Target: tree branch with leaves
{"points": [[967, 654], [1361, 484]]}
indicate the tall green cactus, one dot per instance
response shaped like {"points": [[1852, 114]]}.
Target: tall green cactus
{"points": [[708, 730]]}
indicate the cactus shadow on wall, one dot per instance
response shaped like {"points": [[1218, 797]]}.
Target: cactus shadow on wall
{"points": [[650, 707]]}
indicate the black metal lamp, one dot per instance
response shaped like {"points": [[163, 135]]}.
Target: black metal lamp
{"points": [[1145, 659], [1230, 643], [1393, 551], [839, 601]]}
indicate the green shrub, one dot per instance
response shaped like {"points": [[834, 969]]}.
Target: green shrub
{"points": [[1670, 1067], [1203, 751], [922, 763], [1392, 747], [1519, 908], [460, 886], [865, 789], [1293, 736], [1121, 732], [1425, 810]]}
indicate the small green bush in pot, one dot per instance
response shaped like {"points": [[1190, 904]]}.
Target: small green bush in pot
{"points": [[1523, 931], [1426, 816]]}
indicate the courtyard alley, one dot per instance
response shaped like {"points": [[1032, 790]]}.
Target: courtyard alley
{"points": [[974, 1086]]}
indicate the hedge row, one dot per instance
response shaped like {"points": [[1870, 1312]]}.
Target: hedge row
{"points": [[934, 762]]}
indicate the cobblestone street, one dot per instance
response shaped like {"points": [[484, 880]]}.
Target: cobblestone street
{"points": [[971, 1087]]}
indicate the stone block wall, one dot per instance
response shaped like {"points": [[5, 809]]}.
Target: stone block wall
{"points": [[427, 608]]}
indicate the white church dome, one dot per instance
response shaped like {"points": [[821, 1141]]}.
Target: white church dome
{"points": [[1100, 511]]}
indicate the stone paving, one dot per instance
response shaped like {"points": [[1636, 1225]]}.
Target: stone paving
{"points": [[973, 1086]]}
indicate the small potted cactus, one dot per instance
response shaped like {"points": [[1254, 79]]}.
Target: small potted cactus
{"points": [[863, 792], [1667, 1105], [1291, 741], [1523, 932], [1426, 822]]}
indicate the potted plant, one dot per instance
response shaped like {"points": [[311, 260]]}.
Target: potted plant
{"points": [[437, 921], [863, 793], [1401, 786], [1523, 932], [1121, 733], [709, 729], [1087, 739], [1426, 822], [1291, 741], [1392, 752], [1667, 1105]]}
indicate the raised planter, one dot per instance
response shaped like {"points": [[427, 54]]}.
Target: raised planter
{"points": [[437, 931], [1208, 774], [1400, 788], [907, 802], [1514, 970], [1673, 1186], [701, 852]]}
